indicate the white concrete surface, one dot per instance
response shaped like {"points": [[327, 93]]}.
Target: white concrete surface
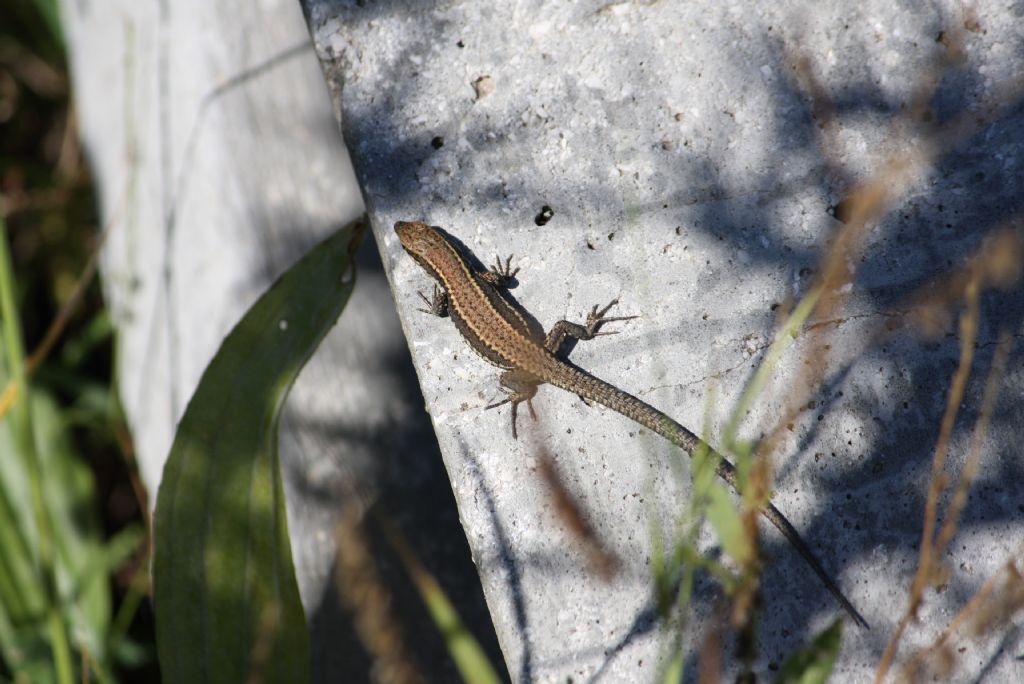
{"points": [[682, 165]]}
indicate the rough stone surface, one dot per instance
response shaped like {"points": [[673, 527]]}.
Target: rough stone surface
{"points": [[687, 177]]}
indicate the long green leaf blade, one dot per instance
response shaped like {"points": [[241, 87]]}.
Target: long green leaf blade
{"points": [[227, 603]]}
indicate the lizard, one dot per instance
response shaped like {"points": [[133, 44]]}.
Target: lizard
{"points": [[498, 331]]}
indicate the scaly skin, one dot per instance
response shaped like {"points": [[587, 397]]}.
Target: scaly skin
{"points": [[499, 332]]}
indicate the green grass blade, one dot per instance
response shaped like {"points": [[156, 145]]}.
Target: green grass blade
{"points": [[70, 497], [783, 339], [226, 599], [813, 663], [465, 650], [728, 524], [24, 441]]}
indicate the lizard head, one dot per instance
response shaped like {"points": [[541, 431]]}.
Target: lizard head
{"points": [[421, 241]]}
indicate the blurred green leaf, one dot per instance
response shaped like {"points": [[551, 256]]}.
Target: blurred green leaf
{"points": [[728, 525], [465, 650], [783, 339], [50, 15], [712, 500], [70, 497], [38, 556], [84, 340], [813, 663], [675, 668], [82, 561], [744, 452], [36, 25], [227, 603]]}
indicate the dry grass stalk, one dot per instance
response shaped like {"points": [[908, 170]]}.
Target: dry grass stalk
{"points": [[939, 481], [963, 485], [364, 594], [263, 645], [861, 207], [599, 558], [999, 609], [968, 328], [746, 595], [823, 113], [996, 263], [865, 203], [988, 608], [710, 663], [67, 310]]}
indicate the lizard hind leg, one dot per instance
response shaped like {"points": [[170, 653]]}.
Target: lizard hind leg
{"points": [[519, 386]]}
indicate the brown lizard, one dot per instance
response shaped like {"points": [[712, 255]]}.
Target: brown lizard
{"points": [[501, 334]]}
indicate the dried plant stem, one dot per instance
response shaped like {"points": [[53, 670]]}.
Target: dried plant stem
{"points": [[270, 620], [960, 497], [59, 322], [1008, 570], [968, 333], [363, 592], [711, 662], [963, 485], [600, 559]]}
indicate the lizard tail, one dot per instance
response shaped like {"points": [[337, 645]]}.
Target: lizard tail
{"points": [[601, 392]]}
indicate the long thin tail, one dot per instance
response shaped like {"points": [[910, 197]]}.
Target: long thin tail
{"points": [[727, 472], [597, 390]]}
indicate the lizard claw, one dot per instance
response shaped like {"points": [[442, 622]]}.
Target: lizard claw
{"points": [[515, 399], [503, 272], [515, 407], [437, 304], [425, 300], [498, 403], [596, 318]]}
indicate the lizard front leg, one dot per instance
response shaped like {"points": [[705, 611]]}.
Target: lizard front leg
{"points": [[437, 305], [595, 319], [500, 275]]}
